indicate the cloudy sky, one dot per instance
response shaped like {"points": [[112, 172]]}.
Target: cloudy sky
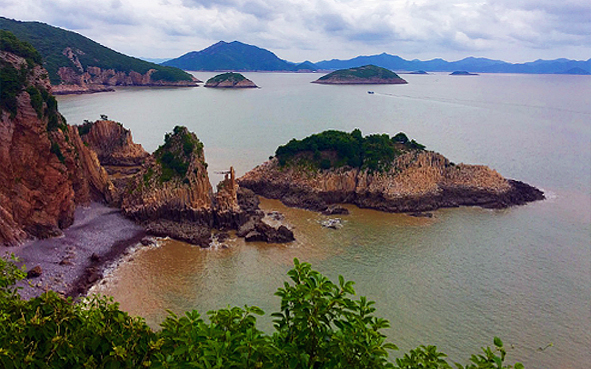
{"points": [[297, 30]]}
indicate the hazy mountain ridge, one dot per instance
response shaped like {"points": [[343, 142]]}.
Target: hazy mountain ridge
{"points": [[472, 64]]}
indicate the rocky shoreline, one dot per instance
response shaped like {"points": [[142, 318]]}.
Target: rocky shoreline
{"points": [[72, 263]]}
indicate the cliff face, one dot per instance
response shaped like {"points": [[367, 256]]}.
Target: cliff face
{"points": [[173, 183], [45, 169], [416, 181], [116, 151]]}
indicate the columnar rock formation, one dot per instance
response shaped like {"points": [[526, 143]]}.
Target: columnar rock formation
{"points": [[416, 181], [45, 169]]}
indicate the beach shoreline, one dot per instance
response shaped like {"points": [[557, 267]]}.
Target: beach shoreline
{"points": [[72, 263]]}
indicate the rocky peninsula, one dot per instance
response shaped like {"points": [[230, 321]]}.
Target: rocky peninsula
{"points": [[365, 75], [392, 174], [51, 171], [230, 80]]}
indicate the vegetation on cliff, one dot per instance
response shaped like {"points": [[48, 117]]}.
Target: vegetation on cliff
{"points": [[319, 325], [334, 149], [365, 74], [51, 42], [176, 154]]}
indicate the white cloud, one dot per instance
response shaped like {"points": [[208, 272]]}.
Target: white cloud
{"points": [[515, 30]]}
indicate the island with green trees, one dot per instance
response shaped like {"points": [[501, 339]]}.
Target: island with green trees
{"points": [[365, 75], [230, 80], [393, 174]]}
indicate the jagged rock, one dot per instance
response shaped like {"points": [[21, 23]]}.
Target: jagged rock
{"points": [[259, 231], [335, 210], [45, 169], [34, 272], [183, 231], [112, 143], [275, 215], [148, 241], [333, 223], [95, 258]]}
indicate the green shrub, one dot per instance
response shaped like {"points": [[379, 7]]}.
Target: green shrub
{"points": [[374, 152], [319, 326]]}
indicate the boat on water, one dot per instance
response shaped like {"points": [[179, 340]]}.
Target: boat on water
{"points": [[370, 92]]}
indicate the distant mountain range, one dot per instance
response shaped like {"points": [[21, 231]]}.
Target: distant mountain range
{"points": [[471, 64], [242, 57], [235, 56], [66, 49]]}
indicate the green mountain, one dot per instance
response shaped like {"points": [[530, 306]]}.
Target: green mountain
{"points": [[61, 48], [231, 56]]}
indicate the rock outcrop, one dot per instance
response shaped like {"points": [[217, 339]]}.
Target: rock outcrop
{"points": [[172, 196], [417, 181], [116, 151], [45, 169]]}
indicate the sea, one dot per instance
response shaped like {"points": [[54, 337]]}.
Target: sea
{"points": [[455, 280]]}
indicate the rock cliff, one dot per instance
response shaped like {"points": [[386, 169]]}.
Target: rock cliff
{"points": [[116, 151], [172, 196], [45, 169], [417, 180]]}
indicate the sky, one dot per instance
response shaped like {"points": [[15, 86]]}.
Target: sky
{"points": [[315, 30]]}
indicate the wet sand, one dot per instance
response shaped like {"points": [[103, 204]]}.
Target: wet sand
{"points": [[73, 262]]}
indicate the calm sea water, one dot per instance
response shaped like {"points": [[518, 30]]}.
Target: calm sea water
{"points": [[454, 281]]}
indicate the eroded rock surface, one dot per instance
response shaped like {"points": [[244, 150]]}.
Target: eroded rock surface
{"points": [[417, 181]]}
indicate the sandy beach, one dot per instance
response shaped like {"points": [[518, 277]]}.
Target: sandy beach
{"points": [[70, 264]]}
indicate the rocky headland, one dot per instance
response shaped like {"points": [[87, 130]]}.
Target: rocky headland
{"points": [[45, 169], [391, 174], [365, 75], [230, 80]]}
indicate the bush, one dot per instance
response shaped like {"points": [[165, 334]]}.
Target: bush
{"points": [[319, 326], [374, 152]]}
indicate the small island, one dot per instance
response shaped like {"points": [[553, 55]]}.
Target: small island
{"points": [[365, 75], [418, 72], [462, 73], [230, 80], [392, 174]]}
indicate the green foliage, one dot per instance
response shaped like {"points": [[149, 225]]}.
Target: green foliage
{"points": [[319, 326], [36, 100], [176, 154], [374, 152], [57, 151], [12, 82], [52, 41], [230, 76], [11, 44]]}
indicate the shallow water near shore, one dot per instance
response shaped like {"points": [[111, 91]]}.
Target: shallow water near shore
{"points": [[455, 280]]}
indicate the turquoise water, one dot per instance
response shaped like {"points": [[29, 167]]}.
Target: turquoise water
{"points": [[454, 281]]}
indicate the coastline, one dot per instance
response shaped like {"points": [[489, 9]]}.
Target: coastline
{"points": [[72, 263]]}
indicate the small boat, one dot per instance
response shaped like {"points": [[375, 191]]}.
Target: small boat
{"points": [[370, 92]]}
